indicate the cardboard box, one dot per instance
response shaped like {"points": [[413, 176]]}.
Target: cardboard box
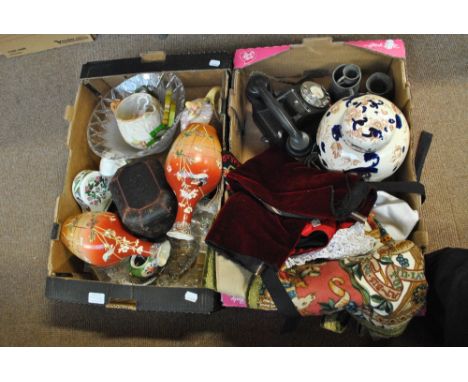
{"points": [[12, 45], [69, 279], [320, 55]]}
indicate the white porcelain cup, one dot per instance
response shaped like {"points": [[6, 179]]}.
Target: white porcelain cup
{"points": [[137, 115]]}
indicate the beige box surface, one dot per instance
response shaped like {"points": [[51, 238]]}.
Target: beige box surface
{"points": [[13, 45]]}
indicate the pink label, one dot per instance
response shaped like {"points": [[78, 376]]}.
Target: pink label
{"points": [[393, 48], [246, 57], [232, 302]]}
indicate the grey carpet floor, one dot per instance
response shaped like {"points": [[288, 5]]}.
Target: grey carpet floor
{"points": [[34, 91]]}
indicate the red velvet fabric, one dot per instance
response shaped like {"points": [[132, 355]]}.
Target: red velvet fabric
{"points": [[244, 226]]}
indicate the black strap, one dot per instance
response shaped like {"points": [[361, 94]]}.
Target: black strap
{"points": [[281, 299], [401, 187], [424, 144], [354, 199], [269, 276], [279, 295]]}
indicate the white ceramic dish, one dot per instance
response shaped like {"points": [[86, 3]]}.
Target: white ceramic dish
{"points": [[104, 137]]}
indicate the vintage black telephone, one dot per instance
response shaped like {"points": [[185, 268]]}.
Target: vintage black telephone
{"points": [[278, 117]]}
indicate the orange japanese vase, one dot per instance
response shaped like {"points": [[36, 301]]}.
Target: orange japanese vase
{"points": [[99, 239], [193, 169]]}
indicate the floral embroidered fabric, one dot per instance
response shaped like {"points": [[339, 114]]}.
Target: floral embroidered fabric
{"points": [[382, 290]]}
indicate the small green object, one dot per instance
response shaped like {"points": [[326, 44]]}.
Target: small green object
{"points": [[172, 114], [335, 322], [167, 106], [154, 133]]}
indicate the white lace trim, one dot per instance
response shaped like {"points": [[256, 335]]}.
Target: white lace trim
{"points": [[351, 241]]}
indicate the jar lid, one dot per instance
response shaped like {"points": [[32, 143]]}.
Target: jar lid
{"points": [[368, 123]]}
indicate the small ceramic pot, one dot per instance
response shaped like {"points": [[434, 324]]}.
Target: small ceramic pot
{"points": [[346, 80], [108, 167], [366, 134], [201, 110], [137, 116], [380, 84], [142, 267], [91, 190]]}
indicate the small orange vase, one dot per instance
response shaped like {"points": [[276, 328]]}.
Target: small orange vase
{"points": [[193, 169], [99, 239]]}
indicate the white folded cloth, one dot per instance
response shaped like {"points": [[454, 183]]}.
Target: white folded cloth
{"points": [[395, 215]]}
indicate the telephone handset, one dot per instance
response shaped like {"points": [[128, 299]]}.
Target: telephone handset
{"points": [[277, 117]]}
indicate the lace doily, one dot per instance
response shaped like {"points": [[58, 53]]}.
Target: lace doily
{"points": [[352, 241]]}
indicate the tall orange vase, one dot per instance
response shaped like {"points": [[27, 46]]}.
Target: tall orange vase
{"points": [[193, 169]]}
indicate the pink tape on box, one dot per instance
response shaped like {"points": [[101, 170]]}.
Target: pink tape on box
{"points": [[248, 56], [232, 302], [393, 48]]}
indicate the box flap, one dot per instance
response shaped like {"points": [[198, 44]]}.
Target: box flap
{"points": [[141, 298], [390, 47], [248, 56], [156, 62]]}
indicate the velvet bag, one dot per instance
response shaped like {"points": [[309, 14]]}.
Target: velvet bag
{"points": [[274, 198]]}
